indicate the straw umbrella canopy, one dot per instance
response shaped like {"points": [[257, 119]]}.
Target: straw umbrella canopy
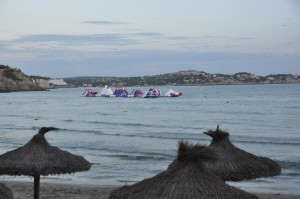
{"points": [[236, 164], [184, 180], [5, 192], [38, 157]]}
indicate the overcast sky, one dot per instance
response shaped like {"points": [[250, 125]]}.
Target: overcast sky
{"points": [[66, 38]]}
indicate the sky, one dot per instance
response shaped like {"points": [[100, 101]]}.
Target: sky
{"points": [[68, 38]]}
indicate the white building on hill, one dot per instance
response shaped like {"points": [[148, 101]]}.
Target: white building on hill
{"points": [[57, 82]]}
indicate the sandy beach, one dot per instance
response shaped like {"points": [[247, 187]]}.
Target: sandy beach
{"points": [[24, 190]]}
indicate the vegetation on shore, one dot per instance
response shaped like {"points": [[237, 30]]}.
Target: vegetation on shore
{"points": [[13, 79], [189, 77]]}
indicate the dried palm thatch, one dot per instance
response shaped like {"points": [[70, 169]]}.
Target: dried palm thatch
{"points": [[236, 164], [5, 192], [38, 157], [184, 180]]}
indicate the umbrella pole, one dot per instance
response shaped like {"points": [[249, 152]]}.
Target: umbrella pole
{"points": [[36, 187]]}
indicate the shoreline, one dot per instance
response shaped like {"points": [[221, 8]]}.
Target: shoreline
{"points": [[23, 190]]}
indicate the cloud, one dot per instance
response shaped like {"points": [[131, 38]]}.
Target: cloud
{"points": [[136, 54], [105, 22], [94, 42], [134, 40], [225, 37], [147, 34], [179, 38], [152, 62], [96, 38]]}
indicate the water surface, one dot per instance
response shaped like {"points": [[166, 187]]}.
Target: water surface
{"points": [[129, 139]]}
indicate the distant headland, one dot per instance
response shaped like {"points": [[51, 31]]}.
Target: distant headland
{"points": [[13, 79]]}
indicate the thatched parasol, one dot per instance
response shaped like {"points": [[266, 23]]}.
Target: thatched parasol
{"points": [[236, 164], [188, 178], [5, 192], [38, 157]]}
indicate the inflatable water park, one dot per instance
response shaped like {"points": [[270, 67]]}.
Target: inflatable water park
{"points": [[122, 92], [89, 93], [171, 93]]}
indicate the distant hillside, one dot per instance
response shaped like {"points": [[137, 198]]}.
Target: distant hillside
{"points": [[12, 79], [189, 77]]}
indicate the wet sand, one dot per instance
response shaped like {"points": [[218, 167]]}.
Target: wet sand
{"points": [[24, 190]]}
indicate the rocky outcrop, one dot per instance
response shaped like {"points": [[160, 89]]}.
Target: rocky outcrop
{"points": [[12, 80]]}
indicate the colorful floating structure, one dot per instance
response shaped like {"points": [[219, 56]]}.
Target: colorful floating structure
{"points": [[172, 93], [152, 93], [106, 92], [89, 93], [121, 92], [136, 93]]}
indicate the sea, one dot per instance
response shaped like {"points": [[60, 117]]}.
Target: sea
{"points": [[130, 139]]}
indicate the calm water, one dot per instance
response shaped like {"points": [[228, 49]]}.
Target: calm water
{"points": [[130, 139]]}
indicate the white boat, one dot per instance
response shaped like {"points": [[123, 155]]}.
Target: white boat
{"points": [[172, 93]]}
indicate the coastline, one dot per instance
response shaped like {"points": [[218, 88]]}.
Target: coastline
{"points": [[23, 190]]}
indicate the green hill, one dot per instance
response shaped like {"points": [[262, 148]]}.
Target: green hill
{"points": [[188, 77]]}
